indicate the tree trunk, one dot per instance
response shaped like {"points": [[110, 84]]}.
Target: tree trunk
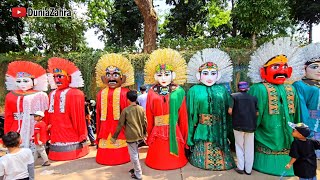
{"points": [[234, 21], [254, 41], [150, 20], [310, 32], [19, 38]]}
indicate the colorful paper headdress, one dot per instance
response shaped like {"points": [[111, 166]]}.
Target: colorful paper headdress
{"points": [[171, 59], [217, 57], [26, 69], [279, 50], [118, 61], [56, 65], [311, 53]]}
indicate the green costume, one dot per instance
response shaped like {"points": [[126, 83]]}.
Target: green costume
{"points": [[208, 127], [278, 105]]}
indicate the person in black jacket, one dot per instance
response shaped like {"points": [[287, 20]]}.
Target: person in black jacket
{"points": [[302, 152], [244, 111]]}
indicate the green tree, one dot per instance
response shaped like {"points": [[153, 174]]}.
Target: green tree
{"points": [[54, 35], [10, 28], [119, 21], [187, 18], [306, 12], [262, 18], [219, 19]]}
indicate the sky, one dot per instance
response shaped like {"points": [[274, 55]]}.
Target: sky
{"points": [[161, 8]]}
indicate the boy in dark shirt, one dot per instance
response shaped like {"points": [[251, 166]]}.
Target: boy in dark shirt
{"points": [[134, 119], [302, 153]]}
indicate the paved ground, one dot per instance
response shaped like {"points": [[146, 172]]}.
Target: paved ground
{"points": [[86, 168]]}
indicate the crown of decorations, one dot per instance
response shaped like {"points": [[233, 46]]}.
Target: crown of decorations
{"points": [[24, 74], [173, 62], [115, 62], [60, 71], [311, 53], [68, 68], [279, 50], [113, 69], [163, 67], [208, 65], [276, 59], [210, 58], [18, 69]]}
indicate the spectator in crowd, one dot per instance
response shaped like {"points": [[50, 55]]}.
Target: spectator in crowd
{"points": [[40, 137], [134, 119], [19, 162], [88, 122], [142, 98], [302, 152], [244, 111]]}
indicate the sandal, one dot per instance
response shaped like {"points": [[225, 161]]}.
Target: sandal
{"points": [[131, 171], [46, 163], [133, 176]]}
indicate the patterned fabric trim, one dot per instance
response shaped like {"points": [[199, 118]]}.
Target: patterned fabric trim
{"points": [[208, 119], [207, 155], [115, 103], [290, 98], [51, 105], [106, 143], [161, 120], [62, 106], [265, 150], [273, 98]]}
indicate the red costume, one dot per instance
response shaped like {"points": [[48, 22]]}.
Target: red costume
{"points": [[166, 110], [25, 80], [113, 73], [66, 113]]}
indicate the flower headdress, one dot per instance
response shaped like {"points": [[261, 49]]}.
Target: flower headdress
{"points": [[220, 60], [67, 67], [171, 59], [280, 50], [311, 53], [116, 61], [26, 69]]}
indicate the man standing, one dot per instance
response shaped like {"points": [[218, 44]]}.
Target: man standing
{"points": [[142, 98], [244, 111]]}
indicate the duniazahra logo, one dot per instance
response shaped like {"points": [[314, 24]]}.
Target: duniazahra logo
{"points": [[49, 12]]}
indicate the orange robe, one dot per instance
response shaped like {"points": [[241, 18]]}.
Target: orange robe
{"points": [[159, 155], [107, 153], [68, 126]]}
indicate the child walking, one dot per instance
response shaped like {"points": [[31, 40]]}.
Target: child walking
{"points": [[18, 163], [40, 137], [302, 152], [134, 119]]}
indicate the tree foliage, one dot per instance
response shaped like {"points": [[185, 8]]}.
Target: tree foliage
{"points": [[306, 12], [11, 28], [187, 18], [53, 35], [119, 21], [262, 18]]}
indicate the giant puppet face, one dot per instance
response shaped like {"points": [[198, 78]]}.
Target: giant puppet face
{"points": [[114, 78], [276, 70], [61, 78], [208, 74], [164, 75], [24, 81], [313, 71]]}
